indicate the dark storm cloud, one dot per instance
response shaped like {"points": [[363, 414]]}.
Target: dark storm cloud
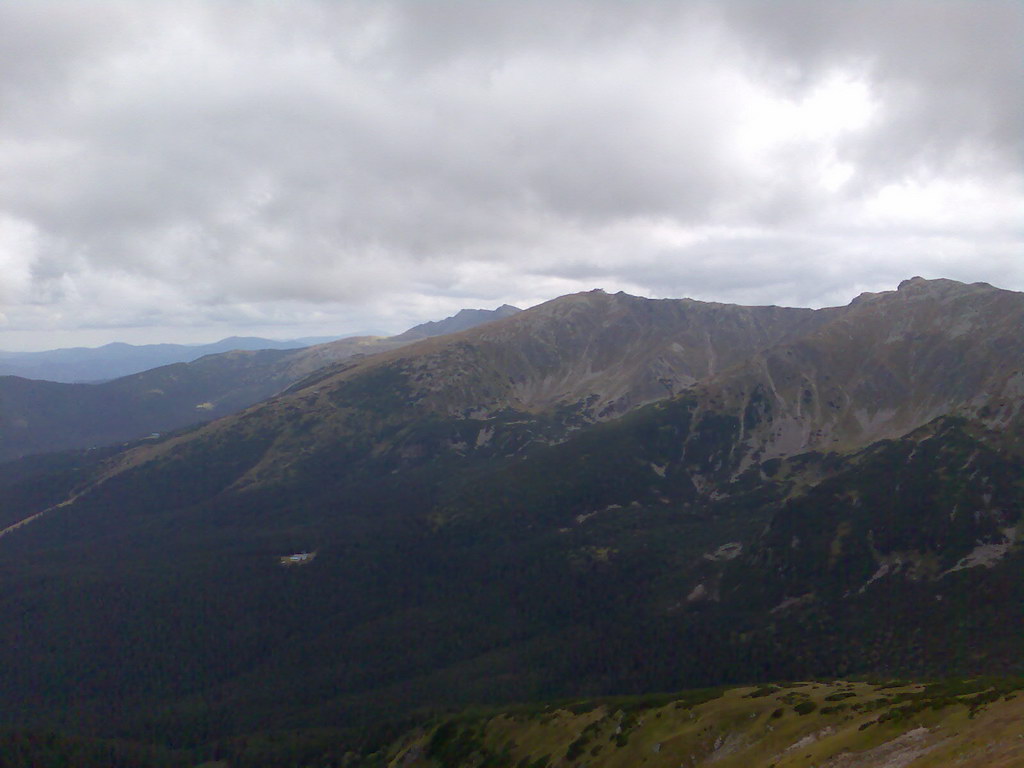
{"points": [[359, 164]]}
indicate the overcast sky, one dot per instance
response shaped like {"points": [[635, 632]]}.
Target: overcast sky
{"points": [[183, 171]]}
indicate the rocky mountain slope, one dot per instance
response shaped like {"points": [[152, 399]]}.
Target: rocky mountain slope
{"points": [[602, 494], [889, 364], [975, 723], [779, 382]]}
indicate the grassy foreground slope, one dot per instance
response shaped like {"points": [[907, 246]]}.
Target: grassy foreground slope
{"points": [[838, 724]]}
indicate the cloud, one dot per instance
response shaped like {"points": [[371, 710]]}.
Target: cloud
{"points": [[948, 73], [352, 164]]}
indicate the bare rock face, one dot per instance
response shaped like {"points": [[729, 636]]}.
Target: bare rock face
{"points": [[886, 365]]}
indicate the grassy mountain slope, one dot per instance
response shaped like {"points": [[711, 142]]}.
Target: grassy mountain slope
{"points": [[880, 725]]}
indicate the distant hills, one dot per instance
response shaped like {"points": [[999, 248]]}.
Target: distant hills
{"points": [[881, 723], [111, 361], [461, 321], [79, 365], [40, 416], [599, 495]]}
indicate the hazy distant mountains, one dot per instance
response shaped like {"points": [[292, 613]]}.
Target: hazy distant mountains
{"points": [[600, 494], [464, 319], [794, 380], [39, 416], [111, 361]]}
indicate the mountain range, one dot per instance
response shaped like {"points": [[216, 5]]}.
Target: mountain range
{"points": [[40, 416], [84, 365], [600, 495], [77, 365]]}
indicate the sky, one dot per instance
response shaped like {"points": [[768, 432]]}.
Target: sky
{"points": [[184, 171]]}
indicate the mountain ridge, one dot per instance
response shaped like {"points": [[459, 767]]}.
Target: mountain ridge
{"points": [[551, 356], [577, 353]]}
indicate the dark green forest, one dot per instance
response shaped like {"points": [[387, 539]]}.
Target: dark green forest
{"points": [[155, 611]]}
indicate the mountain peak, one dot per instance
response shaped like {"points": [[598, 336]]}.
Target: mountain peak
{"points": [[461, 321], [915, 280], [941, 285], [941, 288]]}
